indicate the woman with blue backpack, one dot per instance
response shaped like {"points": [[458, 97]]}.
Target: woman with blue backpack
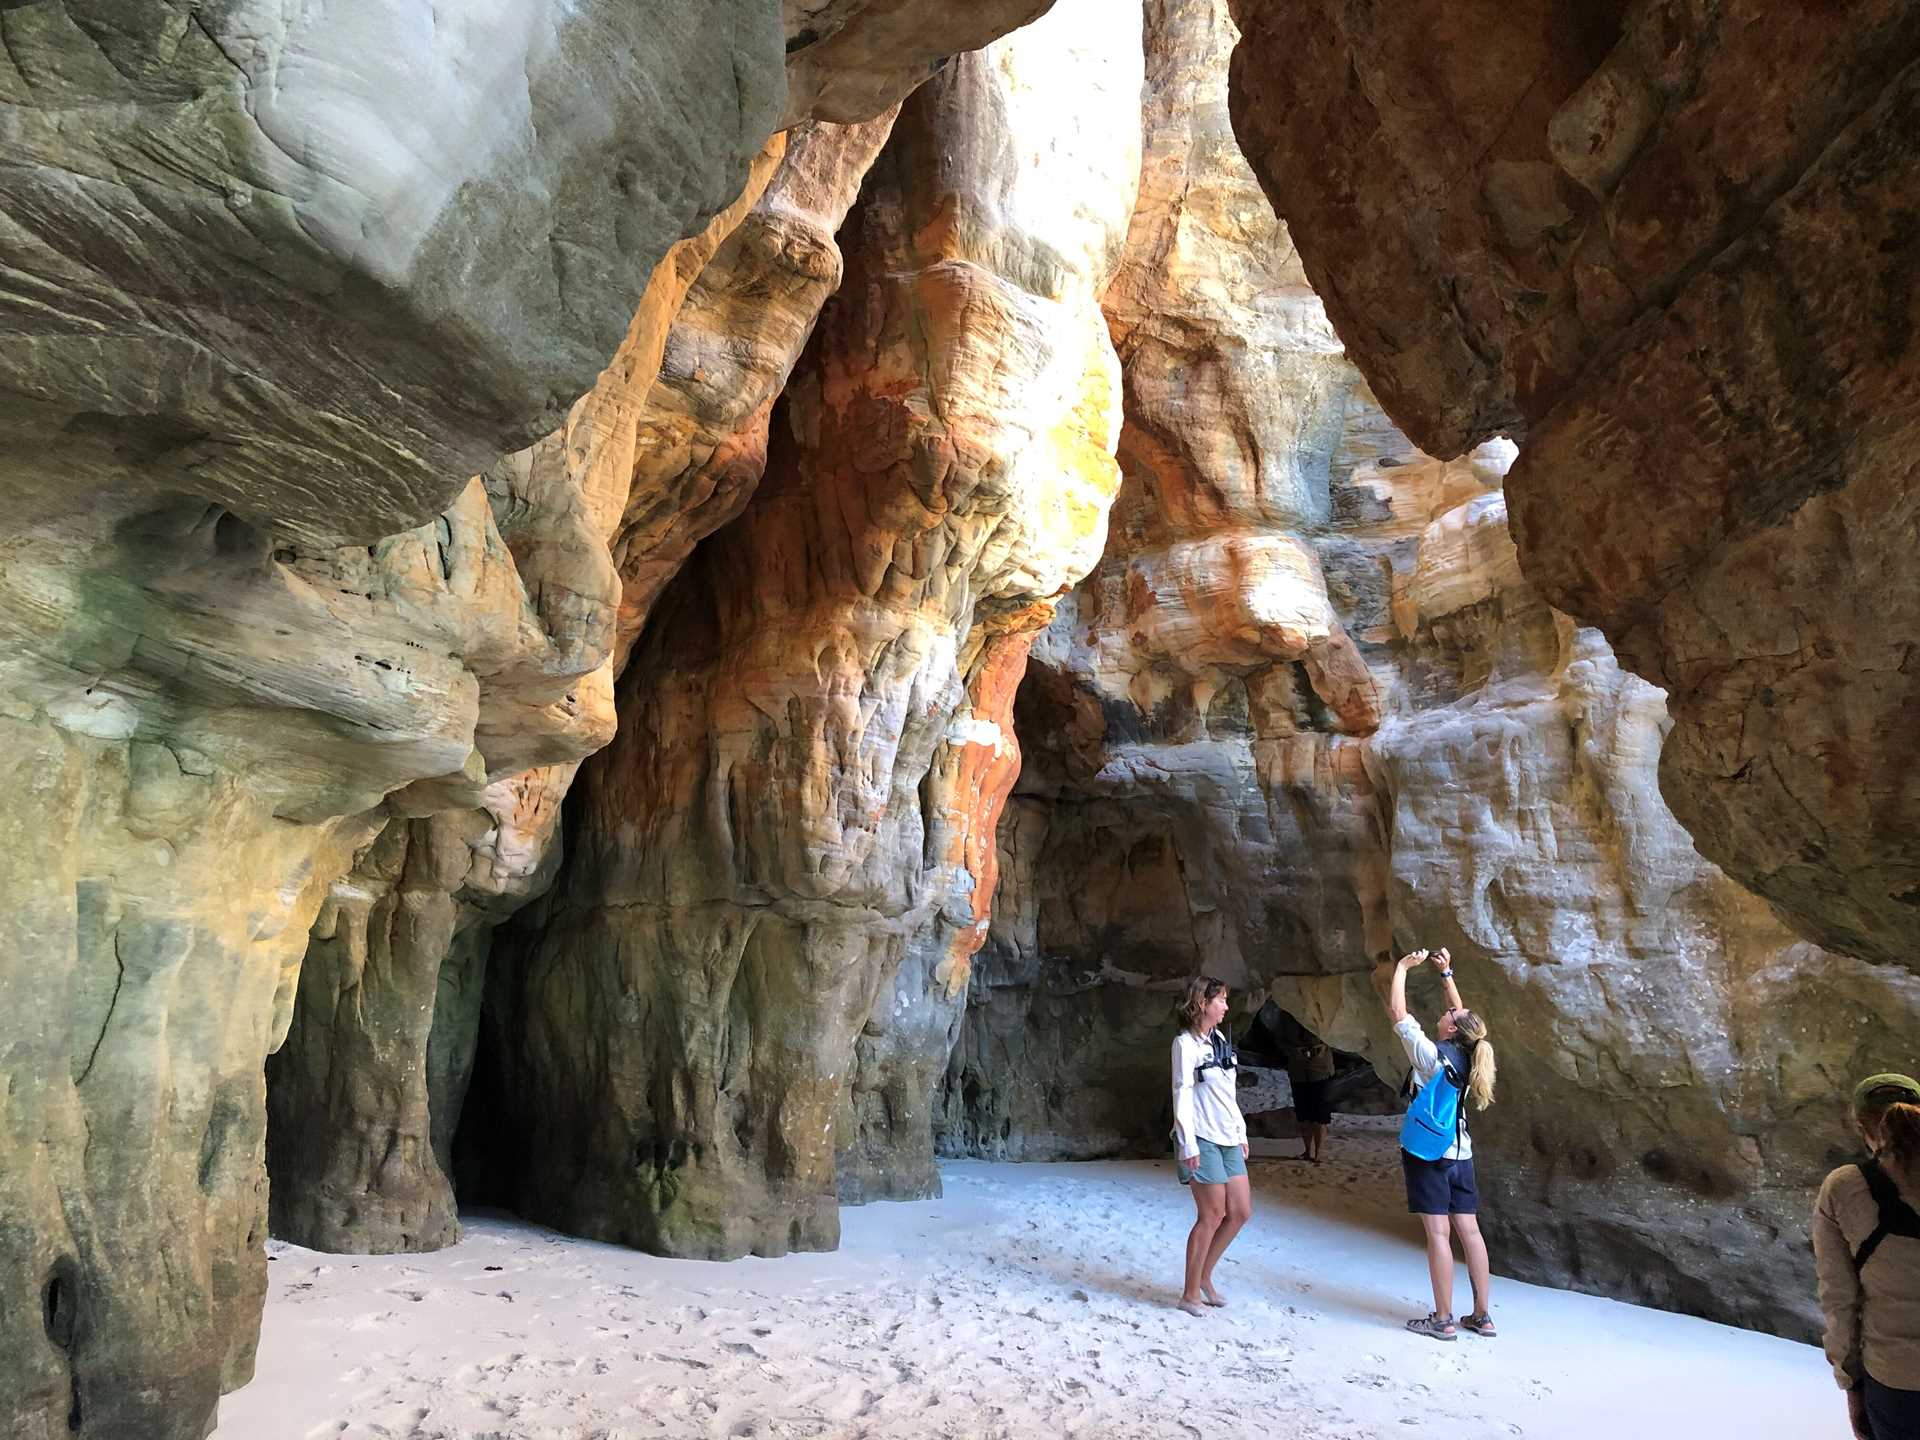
{"points": [[1436, 1150]]}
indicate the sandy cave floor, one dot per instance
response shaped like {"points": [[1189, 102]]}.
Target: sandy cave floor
{"points": [[1032, 1301]]}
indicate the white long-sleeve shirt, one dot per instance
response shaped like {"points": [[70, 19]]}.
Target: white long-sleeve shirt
{"points": [[1424, 1056], [1209, 1108]]}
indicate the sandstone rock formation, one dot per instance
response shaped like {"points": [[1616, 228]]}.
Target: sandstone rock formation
{"points": [[1207, 604], [749, 863], [282, 261], [1665, 244], [327, 550], [354, 1166], [1670, 1053], [274, 283], [650, 462], [1309, 709]]}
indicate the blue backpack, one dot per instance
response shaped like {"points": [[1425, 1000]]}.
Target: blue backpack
{"points": [[1436, 1118]]}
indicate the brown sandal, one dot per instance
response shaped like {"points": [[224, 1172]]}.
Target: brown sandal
{"points": [[1481, 1325], [1439, 1327]]}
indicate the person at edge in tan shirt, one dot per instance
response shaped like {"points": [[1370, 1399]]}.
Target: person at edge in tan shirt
{"points": [[1873, 1311]]}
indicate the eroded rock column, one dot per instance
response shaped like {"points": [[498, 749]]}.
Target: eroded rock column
{"points": [[237, 380], [749, 859], [1190, 712]]}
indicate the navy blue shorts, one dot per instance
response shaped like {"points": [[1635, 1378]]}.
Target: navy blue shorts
{"points": [[1440, 1187]]}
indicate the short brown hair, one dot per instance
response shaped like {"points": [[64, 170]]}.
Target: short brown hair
{"points": [[1200, 990]]}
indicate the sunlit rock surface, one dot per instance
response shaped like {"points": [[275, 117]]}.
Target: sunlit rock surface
{"points": [[1309, 711], [749, 867], [1666, 246], [1202, 664], [278, 287], [353, 1165]]}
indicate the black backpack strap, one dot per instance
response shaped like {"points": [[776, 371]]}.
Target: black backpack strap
{"points": [[1886, 1195], [1448, 1052]]}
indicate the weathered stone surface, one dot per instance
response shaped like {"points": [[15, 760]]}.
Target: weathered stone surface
{"points": [[631, 466], [885, 1127], [1669, 1050], [1189, 718], [364, 1094], [135, 1103], [748, 860], [1667, 245], [230, 716], [1214, 782], [281, 260], [350, 1153], [849, 60], [698, 442], [217, 703]]}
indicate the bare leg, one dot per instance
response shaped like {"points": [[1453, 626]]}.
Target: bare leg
{"points": [[1239, 1205], [1210, 1209], [1440, 1263], [1474, 1246]]}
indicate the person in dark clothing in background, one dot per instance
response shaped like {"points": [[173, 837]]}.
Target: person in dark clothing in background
{"points": [[1310, 1072]]}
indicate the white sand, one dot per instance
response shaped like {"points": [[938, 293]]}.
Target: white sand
{"points": [[1033, 1301]]}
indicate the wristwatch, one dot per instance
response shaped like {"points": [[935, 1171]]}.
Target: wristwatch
{"points": [[1446, 974]]}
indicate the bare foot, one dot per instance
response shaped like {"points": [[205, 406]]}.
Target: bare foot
{"points": [[1214, 1297], [1192, 1305]]}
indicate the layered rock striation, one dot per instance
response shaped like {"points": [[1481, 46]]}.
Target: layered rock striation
{"points": [[750, 863], [278, 288], [1310, 711], [1665, 246]]}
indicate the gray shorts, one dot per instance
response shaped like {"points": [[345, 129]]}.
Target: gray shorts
{"points": [[1218, 1164]]}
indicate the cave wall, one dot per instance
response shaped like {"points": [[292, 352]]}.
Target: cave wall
{"points": [[754, 857], [1309, 711], [267, 591], [340, 504], [1666, 247]]}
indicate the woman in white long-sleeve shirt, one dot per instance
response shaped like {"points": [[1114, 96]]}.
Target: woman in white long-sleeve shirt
{"points": [[1210, 1138]]}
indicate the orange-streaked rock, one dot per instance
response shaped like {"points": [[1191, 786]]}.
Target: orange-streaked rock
{"points": [[749, 868]]}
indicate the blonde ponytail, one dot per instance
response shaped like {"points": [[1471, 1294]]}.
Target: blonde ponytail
{"points": [[1480, 1066]]}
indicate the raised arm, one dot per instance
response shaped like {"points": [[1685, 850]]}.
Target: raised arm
{"points": [[1443, 962], [1397, 998]]}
